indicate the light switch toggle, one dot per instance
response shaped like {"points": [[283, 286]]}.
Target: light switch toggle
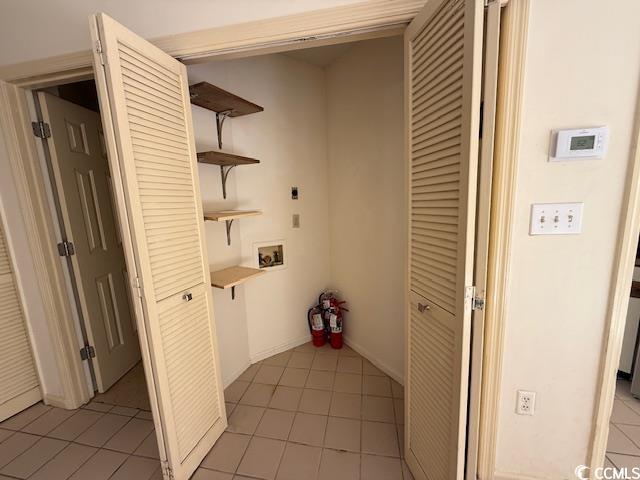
{"points": [[567, 218]]}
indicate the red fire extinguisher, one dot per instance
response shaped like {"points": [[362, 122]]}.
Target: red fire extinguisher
{"points": [[332, 309], [316, 326]]}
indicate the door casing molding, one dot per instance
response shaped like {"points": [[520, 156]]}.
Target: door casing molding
{"points": [[342, 24], [28, 178], [622, 275], [510, 97], [315, 28], [328, 26]]}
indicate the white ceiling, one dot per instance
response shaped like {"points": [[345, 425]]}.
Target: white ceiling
{"points": [[320, 56]]}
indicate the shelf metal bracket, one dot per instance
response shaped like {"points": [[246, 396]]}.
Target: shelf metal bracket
{"points": [[228, 223], [220, 118], [224, 172]]}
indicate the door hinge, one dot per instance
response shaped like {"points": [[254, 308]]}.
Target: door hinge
{"points": [[41, 129], [138, 286], [476, 301], [99, 51], [167, 472], [87, 352], [66, 249]]}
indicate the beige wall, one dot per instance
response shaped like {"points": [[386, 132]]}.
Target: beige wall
{"points": [[38, 29], [582, 69], [289, 138], [366, 200]]}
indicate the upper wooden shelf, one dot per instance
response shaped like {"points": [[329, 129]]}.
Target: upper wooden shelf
{"points": [[232, 276], [214, 98], [224, 215], [225, 159]]}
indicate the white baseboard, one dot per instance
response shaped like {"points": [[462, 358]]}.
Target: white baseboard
{"points": [[256, 357], [19, 403], [234, 376], [372, 358], [265, 354], [57, 401]]}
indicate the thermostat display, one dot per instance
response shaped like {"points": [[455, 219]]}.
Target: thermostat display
{"points": [[582, 143], [579, 143]]}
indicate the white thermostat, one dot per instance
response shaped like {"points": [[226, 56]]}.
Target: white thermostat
{"points": [[579, 143]]}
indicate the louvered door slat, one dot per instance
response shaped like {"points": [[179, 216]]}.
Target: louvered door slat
{"points": [[443, 45], [19, 384], [152, 145], [136, 85]]}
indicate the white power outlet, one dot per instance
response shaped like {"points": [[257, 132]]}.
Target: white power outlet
{"points": [[526, 402]]}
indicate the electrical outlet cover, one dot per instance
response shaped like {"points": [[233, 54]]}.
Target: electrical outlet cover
{"points": [[526, 402]]}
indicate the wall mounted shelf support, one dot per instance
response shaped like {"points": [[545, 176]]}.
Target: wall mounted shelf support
{"points": [[220, 118], [224, 173], [226, 161], [228, 216], [228, 225]]}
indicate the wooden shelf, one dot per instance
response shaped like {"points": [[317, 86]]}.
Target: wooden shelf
{"points": [[224, 215], [214, 98], [224, 159], [232, 276]]}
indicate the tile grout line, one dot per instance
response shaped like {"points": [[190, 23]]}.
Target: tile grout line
{"points": [[629, 438], [327, 416]]}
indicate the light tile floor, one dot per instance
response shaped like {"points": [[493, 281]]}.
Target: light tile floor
{"points": [[129, 391], [96, 442], [623, 447], [311, 413], [303, 414]]}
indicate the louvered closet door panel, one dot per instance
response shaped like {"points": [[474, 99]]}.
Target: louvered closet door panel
{"points": [[443, 47], [432, 388], [163, 167], [151, 143], [437, 64], [185, 336], [19, 386]]}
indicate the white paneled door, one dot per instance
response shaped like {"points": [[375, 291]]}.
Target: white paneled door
{"points": [[19, 385], [443, 48], [144, 100], [85, 195]]}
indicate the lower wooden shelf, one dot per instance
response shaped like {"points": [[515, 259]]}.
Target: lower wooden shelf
{"points": [[232, 276], [224, 215]]}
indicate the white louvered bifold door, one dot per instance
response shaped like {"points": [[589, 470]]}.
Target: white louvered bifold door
{"points": [[443, 47], [19, 385], [146, 113]]}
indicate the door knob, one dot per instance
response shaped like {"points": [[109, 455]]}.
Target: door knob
{"points": [[187, 296], [422, 307]]}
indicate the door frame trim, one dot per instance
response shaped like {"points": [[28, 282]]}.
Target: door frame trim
{"points": [[15, 122], [622, 275], [510, 98], [328, 26], [314, 28], [341, 24]]}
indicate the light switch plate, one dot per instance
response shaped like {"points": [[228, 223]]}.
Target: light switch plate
{"points": [[556, 218]]}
